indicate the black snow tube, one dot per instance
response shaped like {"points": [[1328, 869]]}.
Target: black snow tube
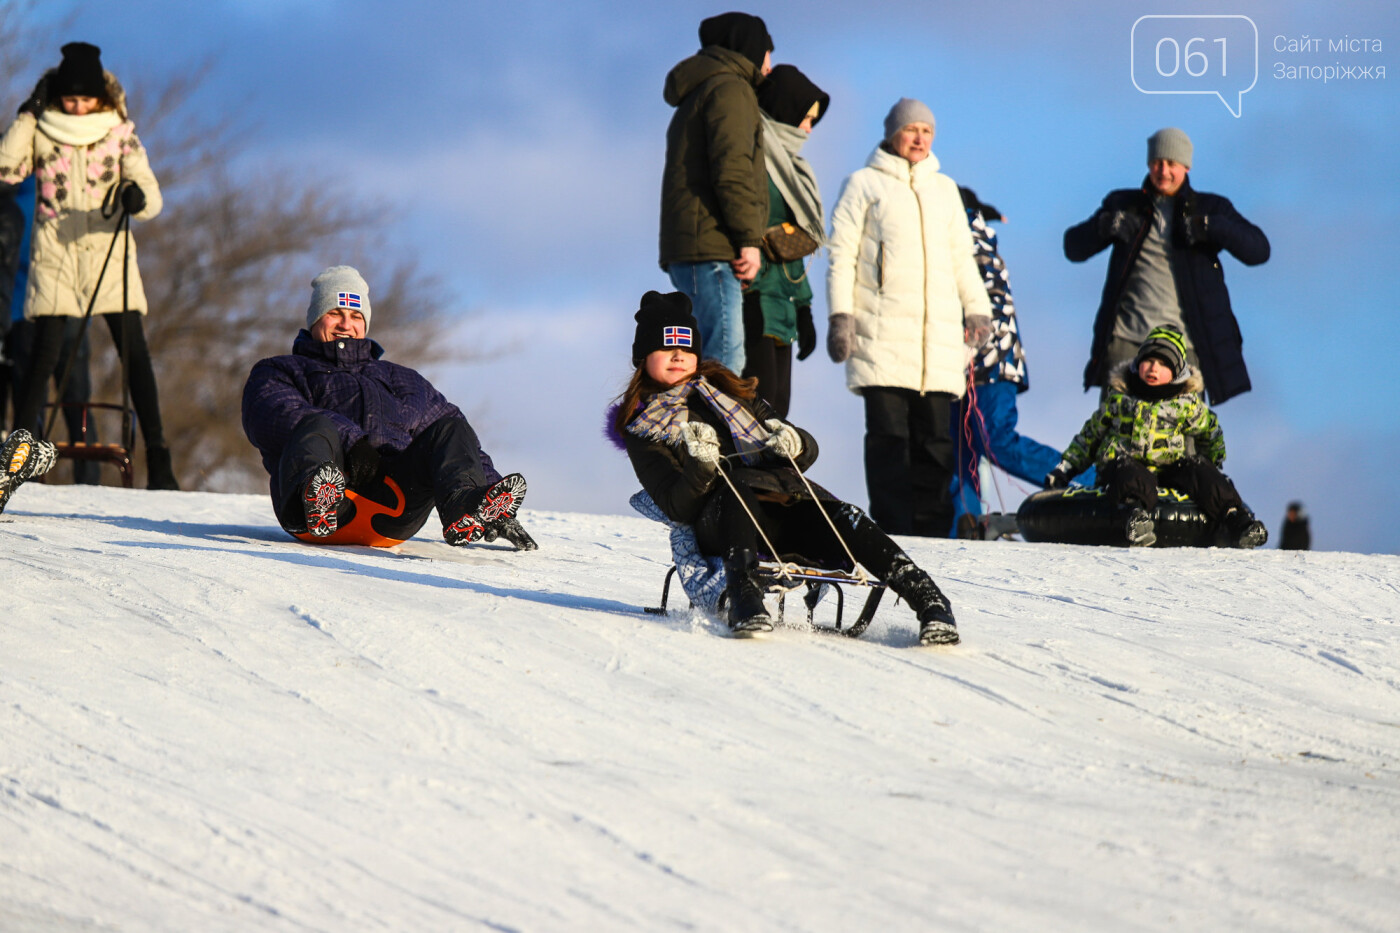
{"points": [[1086, 516]]}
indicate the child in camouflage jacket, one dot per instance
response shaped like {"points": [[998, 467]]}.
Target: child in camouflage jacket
{"points": [[1138, 440]]}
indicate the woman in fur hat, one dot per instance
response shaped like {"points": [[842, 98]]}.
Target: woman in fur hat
{"points": [[683, 422], [74, 134]]}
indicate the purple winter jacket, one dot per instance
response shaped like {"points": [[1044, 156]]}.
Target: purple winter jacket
{"points": [[347, 380]]}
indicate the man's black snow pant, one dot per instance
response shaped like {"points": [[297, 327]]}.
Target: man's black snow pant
{"points": [[441, 468]]}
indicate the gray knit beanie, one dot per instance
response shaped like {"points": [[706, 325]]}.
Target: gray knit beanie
{"points": [[338, 287], [1170, 143], [907, 111]]}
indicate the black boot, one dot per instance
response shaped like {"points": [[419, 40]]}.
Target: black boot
{"points": [[747, 615], [916, 587], [1244, 529], [1139, 526], [159, 472]]}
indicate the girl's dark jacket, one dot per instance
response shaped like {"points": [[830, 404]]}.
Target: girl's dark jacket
{"points": [[1200, 282], [345, 379], [681, 485]]}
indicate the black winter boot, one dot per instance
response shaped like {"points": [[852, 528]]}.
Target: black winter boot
{"points": [[1244, 529], [748, 617], [916, 587], [22, 457], [1139, 526], [160, 474]]}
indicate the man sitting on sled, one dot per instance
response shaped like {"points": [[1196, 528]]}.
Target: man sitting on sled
{"points": [[360, 450]]}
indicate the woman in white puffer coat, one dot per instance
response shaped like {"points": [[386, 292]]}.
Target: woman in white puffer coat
{"points": [[73, 134], [905, 299]]}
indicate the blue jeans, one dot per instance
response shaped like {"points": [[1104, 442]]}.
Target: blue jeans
{"points": [[717, 299], [1015, 453]]}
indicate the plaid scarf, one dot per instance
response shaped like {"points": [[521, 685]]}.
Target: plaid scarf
{"points": [[665, 412]]}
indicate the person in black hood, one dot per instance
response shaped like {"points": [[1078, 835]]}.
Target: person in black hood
{"points": [[714, 197], [778, 302]]}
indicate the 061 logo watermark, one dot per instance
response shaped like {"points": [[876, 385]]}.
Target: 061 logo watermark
{"points": [[1188, 54]]}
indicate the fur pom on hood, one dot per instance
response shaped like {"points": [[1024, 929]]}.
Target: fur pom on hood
{"points": [[610, 427]]}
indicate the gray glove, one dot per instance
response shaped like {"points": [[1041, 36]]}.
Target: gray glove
{"points": [[701, 442], [976, 329], [784, 442], [840, 334]]}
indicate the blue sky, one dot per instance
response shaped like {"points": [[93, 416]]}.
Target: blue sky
{"points": [[518, 147]]}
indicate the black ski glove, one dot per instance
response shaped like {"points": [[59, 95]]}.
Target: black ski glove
{"points": [[1120, 226], [361, 464], [1195, 226], [38, 98], [1057, 478], [510, 529], [806, 332], [133, 198]]}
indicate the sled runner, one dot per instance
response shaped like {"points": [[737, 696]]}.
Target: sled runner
{"points": [[702, 578], [776, 580], [1080, 515]]}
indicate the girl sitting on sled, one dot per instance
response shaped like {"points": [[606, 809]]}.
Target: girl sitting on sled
{"points": [[712, 455]]}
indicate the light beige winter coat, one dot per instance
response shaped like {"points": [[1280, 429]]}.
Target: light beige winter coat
{"points": [[902, 264], [74, 178]]}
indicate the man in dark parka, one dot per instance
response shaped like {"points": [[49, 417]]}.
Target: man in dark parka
{"points": [[1165, 269]]}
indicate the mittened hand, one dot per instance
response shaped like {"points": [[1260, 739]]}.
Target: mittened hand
{"points": [[511, 530], [784, 441], [1120, 226], [806, 333], [38, 98], [976, 329], [1197, 229], [701, 442], [133, 199], [1057, 478], [361, 464], [841, 331]]}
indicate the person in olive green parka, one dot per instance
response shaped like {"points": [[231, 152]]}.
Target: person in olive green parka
{"points": [[714, 199]]}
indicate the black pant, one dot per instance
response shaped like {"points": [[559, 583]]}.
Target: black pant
{"points": [[796, 529], [48, 345], [441, 468], [1196, 477], [82, 427], [766, 359], [909, 460]]}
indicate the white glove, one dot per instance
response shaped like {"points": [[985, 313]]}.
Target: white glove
{"points": [[701, 442], [784, 442]]}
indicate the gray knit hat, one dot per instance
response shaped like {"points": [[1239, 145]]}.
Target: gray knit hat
{"points": [[1170, 143], [907, 111], [338, 287]]}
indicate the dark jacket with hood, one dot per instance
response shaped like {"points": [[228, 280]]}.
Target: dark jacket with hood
{"points": [[345, 379], [714, 189], [1200, 281]]}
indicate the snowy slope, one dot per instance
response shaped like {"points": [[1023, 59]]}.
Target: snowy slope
{"points": [[205, 725]]}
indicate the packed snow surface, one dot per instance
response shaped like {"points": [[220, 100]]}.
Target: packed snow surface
{"points": [[206, 725]]}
